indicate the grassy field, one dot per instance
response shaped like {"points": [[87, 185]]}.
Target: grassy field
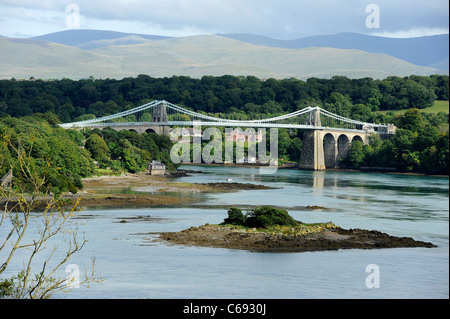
{"points": [[438, 106]]}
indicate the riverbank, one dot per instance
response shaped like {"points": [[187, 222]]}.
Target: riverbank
{"points": [[150, 191], [294, 166], [330, 238]]}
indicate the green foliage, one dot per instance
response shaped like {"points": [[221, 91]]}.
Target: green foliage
{"points": [[235, 217], [50, 152], [418, 146], [97, 147], [7, 287], [411, 120], [231, 95], [356, 155], [128, 150], [260, 217], [47, 103]]}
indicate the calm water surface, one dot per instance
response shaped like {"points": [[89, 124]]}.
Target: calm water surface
{"points": [[135, 266]]}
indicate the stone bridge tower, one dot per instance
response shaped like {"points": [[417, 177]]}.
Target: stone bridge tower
{"points": [[160, 113], [312, 157], [323, 147]]}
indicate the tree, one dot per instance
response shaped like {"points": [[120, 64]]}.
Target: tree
{"points": [[97, 147], [339, 104], [295, 149], [235, 217], [361, 112], [418, 95], [263, 217], [411, 120], [51, 221], [356, 154], [284, 142]]}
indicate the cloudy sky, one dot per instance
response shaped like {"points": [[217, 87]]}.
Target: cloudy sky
{"points": [[282, 19]]}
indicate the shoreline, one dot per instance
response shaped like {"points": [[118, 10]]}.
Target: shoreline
{"points": [[164, 191], [151, 191], [229, 237], [143, 190], [376, 170]]}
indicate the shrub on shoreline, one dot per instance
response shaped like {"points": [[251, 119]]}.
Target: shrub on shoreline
{"points": [[260, 217]]}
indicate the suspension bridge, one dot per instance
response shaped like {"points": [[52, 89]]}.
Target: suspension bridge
{"points": [[327, 136]]}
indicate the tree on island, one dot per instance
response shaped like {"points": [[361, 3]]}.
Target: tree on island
{"points": [[260, 217]]}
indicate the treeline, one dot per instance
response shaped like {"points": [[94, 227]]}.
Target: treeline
{"points": [[127, 150], [418, 146], [35, 145], [421, 143], [237, 97], [32, 147]]}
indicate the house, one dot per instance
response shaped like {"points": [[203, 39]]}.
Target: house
{"points": [[244, 136], [6, 181], [156, 168]]}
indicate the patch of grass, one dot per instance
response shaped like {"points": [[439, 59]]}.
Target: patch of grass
{"points": [[438, 106], [106, 172], [180, 184]]}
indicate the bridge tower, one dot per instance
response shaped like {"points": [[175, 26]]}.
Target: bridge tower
{"points": [[159, 115], [312, 157]]}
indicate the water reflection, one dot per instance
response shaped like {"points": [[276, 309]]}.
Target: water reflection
{"points": [[318, 180]]}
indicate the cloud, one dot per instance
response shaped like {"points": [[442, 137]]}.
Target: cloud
{"points": [[412, 33], [284, 19]]}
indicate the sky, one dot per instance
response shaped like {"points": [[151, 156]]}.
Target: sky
{"points": [[281, 19]]}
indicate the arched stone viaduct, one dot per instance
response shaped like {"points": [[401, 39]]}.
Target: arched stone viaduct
{"points": [[322, 149]]}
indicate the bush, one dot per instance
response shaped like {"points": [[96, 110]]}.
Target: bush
{"points": [[268, 216], [261, 217], [235, 217]]}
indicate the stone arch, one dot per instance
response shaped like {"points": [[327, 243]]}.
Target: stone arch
{"points": [[358, 138], [343, 146], [150, 130], [329, 148], [132, 130]]}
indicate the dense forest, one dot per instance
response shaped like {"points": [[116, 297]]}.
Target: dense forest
{"points": [[30, 111], [240, 97]]}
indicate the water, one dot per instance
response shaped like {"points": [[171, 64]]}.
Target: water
{"points": [[135, 266]]}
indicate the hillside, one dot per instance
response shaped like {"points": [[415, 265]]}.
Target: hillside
{"points": [[89, 39], [194, 56], [23, 58], [430, 51]]}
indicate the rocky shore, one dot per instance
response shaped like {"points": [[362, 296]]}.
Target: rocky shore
{"points": [[150, 191], [334, 238], [142, 190]]}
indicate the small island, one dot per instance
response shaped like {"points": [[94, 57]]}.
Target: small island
{"points": [[268, 229]]}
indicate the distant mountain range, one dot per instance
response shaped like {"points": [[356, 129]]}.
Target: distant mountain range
{"points": [[91, 39], [432, 51], [102, 54]]}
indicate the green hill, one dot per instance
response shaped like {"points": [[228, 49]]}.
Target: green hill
{"points": [[23, 58], [194, 56]]}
